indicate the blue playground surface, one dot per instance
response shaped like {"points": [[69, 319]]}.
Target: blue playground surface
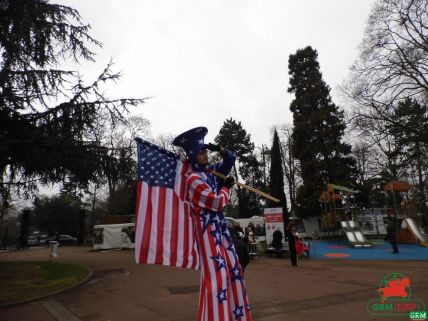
{"points": [[381, 250]]}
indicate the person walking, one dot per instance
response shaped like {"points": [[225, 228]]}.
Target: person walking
{"points": [[223, 295], [291, 234], [391, 235]]}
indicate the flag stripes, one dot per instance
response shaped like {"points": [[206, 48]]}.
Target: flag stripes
{"points": [[164, 228]]}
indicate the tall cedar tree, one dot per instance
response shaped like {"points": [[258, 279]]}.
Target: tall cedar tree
{"points": [[46, 113], [276, 175], [234, 137], [318, 131]]}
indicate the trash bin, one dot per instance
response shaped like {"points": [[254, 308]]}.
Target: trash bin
{"points": [[53, 249]]}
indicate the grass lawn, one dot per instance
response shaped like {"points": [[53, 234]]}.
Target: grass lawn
{"points": [[26, 280]]}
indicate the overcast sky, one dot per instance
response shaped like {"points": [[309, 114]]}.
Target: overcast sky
{"points": [[204, 61]]}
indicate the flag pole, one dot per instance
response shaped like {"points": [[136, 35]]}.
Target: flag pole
{"points": [[246, 186]]}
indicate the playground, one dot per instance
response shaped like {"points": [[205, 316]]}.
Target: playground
{"points": [[342, 221], [381, 250]]}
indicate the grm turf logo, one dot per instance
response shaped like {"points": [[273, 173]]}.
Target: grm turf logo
{"points": [[395, 298]]}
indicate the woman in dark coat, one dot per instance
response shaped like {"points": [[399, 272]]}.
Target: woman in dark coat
{"points": [[291, 234]]}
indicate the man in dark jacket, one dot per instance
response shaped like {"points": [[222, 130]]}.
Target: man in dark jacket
{"points": [[391, 235], [240, 247]]}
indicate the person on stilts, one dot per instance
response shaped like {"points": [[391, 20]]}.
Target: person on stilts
{"points": [[223, 295]]}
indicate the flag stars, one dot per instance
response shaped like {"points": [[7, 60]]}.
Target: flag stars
{"points": [[219, 260], [208, 219], [231, 248], [222, 296], [238, 311], [156, 165], [228, 237], [217, 236], [236, 272]]}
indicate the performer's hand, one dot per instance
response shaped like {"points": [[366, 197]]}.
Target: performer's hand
{"points": [[228, 182], [213, 147]]}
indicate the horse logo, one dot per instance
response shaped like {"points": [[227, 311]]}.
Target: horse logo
{"points": [[395, 285]]}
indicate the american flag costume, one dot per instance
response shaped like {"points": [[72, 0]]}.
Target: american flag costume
{"points": [[180, 223]]}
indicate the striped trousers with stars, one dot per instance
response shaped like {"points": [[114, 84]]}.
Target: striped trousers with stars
{"points": [[222, 294]]}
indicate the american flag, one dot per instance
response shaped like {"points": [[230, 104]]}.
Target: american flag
{"points": [[164, 226]]}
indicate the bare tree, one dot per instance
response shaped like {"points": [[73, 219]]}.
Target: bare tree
{"points": [[393, 62], [118, 138], [165, 141], [289, 162]]}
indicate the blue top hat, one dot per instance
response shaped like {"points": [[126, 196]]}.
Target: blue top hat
{"points": [[192, 141]]}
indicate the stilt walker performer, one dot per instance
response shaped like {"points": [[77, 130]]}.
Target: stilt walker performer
{"points": [[223, 294]]}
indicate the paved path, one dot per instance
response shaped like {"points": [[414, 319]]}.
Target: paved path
{"points": [[120, 290]]}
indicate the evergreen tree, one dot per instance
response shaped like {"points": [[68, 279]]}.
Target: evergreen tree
{"points": [[318, 130], [57, 214], [276, 175], [47, 113], [234, 137], [250, 170]]}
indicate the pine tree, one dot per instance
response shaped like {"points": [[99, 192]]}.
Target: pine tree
{"points": [[276, 178], [318, 130]]}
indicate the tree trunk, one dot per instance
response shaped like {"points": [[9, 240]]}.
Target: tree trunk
{"points": [[25, 229], [421, 190]]}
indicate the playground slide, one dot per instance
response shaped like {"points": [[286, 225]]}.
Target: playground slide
{"points": [[362, 239], [355, 237], [414, 229], [351, 237]]}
